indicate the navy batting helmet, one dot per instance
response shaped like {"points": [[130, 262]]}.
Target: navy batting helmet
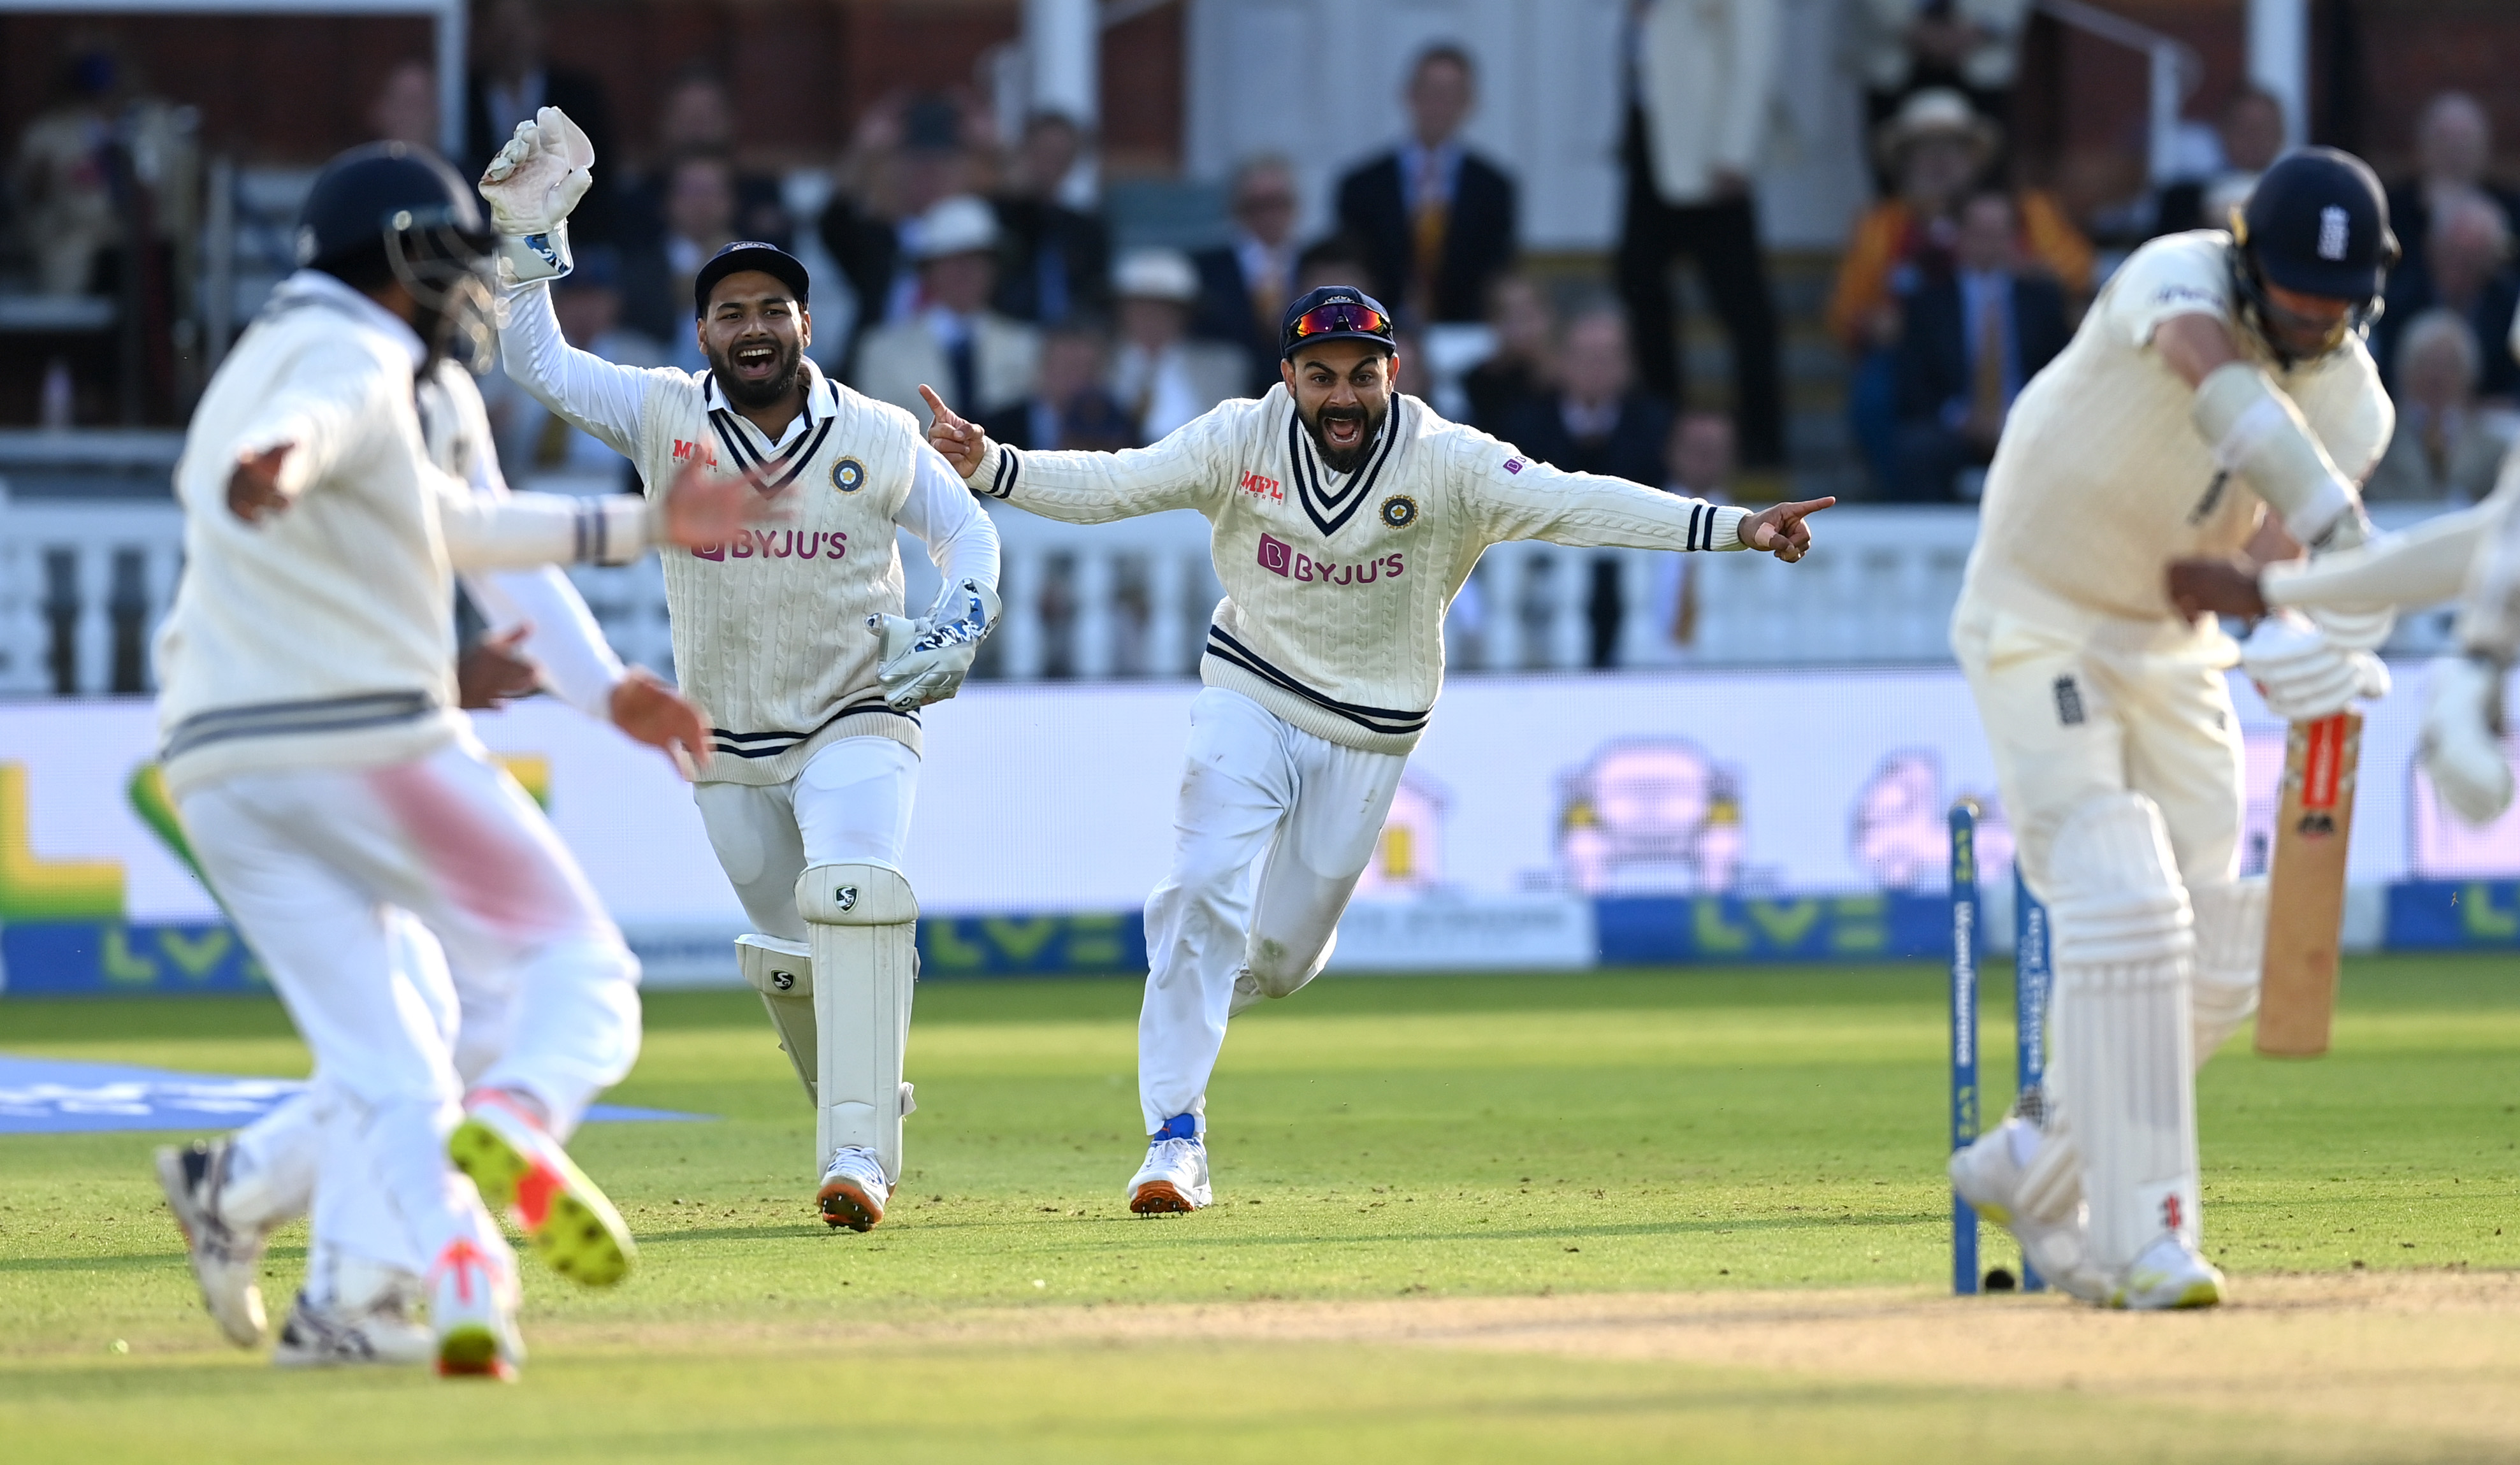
{"points": [[2317, 224], [392, 212]]}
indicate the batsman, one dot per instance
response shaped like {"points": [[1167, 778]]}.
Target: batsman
{"points": [[2218, 394]]}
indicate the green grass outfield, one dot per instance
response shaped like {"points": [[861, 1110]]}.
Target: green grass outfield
{"points": [[1663, 1131]]}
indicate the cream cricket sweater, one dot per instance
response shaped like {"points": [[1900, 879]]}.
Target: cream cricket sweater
{"points": [[1336, 585], [770, 632], [325, 635], [2102, 478]]}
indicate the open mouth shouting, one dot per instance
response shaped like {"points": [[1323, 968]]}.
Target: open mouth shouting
{"points": [[758, 370], [1344, 435]]}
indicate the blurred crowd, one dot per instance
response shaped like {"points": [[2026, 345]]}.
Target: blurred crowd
{"points": [[982, 264]]}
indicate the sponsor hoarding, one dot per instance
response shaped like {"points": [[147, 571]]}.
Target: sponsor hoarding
{"points": [[1545, 821]]}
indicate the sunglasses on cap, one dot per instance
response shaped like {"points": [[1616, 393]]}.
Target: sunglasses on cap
{"points": [[1340, 317]]}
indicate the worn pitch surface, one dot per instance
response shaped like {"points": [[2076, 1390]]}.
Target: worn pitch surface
{"points": [[1621, 1217]]}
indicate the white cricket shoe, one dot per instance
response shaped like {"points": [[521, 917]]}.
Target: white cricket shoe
{"points": [[1174, 1178], [2169, 1274], [854, 1190], [1988, 1174], [473, 1312], [227, 1260], [318, 1335]]}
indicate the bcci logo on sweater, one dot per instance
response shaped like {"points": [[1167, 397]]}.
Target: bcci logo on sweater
{"points": [[848, 476]]}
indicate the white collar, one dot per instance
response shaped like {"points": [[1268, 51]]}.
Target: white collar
{"points": [[819, 403], [315, 284]]}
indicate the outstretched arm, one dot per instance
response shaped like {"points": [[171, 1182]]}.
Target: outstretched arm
{"points": [[1082, 488], [588, 391], [1527, 499]]}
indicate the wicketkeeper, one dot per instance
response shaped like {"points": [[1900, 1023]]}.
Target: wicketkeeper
{"points": [[1346, 517], [2218, 388], [792, 638]]}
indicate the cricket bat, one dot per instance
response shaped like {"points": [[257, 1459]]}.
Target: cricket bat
{"points": [[2305, 886]]}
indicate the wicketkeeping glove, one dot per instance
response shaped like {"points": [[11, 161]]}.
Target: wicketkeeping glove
{"points": [[533, 182], [926, 659], [2302, 674], [2462, 738]]}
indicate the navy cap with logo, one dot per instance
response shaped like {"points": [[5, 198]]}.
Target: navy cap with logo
{"points": [[750, 254], [1333, 312], [2319, 223]]}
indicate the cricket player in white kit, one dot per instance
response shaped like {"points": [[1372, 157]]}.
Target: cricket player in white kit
{"points": [[362, 1288], [2471, 556], [792, 638], [329, 789], [2220, 377], [1347, 518]]}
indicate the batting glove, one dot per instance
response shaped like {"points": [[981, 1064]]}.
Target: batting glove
{"points": [[926, 659], [2302, 674], [2462, 740], [533, 184]]}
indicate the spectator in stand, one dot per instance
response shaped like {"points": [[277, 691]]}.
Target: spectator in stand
{"points": [[1937, 147], [1329, 261], [2251, 131], [1972, 338], [953, 341], [698, 117], [1162, 376], [2448, 448], [1522, 366], [1070, 409], [1057, 259], [406, 107], [1598, 422], [910, 152], [1434, 220], [1972, 47], [1244, 286], [1699, 461], [2453, 151], [86, 168], [700, 205], [511, 81], [2465, 268], [532, 438], [1701, 80]]}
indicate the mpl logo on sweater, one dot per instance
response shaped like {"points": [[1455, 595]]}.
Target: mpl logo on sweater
{"points": [[1282, 559], [1260, 486], [684, 451]]}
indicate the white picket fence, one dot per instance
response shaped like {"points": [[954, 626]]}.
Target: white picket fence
{"points": [[89, 581]]}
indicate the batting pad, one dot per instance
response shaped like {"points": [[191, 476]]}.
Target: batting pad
{"points": [[863, 923], [2124, 954], [2230, 952], [782, 972]]}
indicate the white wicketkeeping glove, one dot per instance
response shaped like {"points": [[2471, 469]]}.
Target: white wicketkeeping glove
{"points": [[533, 182], [926, 659], [2462, 740], [2305, 675]]}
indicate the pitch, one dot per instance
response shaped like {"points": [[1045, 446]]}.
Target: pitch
{"points": [[1628, 1216]]}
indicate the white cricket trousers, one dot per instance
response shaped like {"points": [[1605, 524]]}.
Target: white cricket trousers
{"points": [[2067, 719], [1255, 791], [849, 805], [318, 867]]}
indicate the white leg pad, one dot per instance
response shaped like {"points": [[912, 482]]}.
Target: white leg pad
{"points": [[2124, 955], [862, 921], [782, 972], [2230, 952]]}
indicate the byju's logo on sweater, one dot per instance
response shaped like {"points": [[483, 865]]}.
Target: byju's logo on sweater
{"points": [[1280, 558], [780, 544]]}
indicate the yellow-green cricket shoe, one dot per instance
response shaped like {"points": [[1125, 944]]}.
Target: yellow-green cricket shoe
{"points": [[2170, 1275], [522, 1170]]}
